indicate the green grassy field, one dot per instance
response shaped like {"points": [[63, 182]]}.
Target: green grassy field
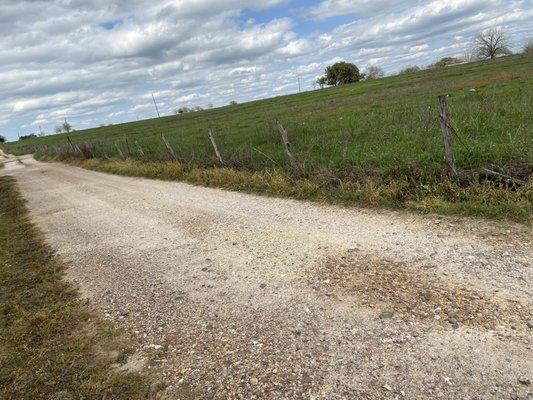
{"points": [[382, 135]]}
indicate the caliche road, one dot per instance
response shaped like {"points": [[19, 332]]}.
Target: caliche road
{"points": [[236, 296]]}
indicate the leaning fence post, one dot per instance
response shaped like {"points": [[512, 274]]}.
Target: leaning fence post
{"points": [[139, 148], [71, 144], [215, 147], [120, 152], [169, 147], [446, 134], [286, 143], [128, 146]]}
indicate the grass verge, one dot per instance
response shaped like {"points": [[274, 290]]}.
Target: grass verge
{"points": [[51, 345], [417, 189]]}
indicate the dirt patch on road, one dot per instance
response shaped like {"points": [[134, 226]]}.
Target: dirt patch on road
{"points": [[418, 293]]}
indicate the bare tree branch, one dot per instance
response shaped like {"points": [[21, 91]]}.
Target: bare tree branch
{"points": [[492, 43]]}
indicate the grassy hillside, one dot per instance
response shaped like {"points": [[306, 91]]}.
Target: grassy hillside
{"points": [[379, 132]]}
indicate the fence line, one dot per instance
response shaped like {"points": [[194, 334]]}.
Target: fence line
{"points": [[92, 150]]}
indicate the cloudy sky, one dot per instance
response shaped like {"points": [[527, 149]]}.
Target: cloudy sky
{"points": [[98, 61]]}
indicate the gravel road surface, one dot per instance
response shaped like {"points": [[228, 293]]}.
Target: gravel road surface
{"points": [[237, 296]]}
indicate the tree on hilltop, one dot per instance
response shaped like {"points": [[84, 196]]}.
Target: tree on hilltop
{"points": [[445, 61], [492, 43], [341, 73], [321, 81], [374, 72], [66, 127], [528, 48], [410, 69]]}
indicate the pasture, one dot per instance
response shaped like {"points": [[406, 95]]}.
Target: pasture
{"points": [[374, 143]]}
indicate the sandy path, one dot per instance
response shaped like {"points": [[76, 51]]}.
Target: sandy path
{"points": [[254, 297]]}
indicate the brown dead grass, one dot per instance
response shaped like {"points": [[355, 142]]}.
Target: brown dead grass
{"points": [[492, 80]]}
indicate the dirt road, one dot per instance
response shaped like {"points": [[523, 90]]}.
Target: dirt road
{"points": [[236, 296]]}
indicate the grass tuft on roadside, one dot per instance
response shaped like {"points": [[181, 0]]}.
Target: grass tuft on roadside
{"points": [[415, 189], [51, 345]]}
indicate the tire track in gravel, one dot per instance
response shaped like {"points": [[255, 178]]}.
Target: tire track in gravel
{"points": [[238, 296]]}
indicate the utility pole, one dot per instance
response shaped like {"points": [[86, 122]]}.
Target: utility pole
{"points": [[155, 104], [299, 86], [40, 131]]}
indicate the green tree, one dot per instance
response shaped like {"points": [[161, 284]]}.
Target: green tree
{"points": [[444, 62], [342, 73], [2, 139], [183, 110]]}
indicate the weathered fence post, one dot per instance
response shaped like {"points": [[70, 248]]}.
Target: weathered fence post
{"points": [[128, 146], [71, 144], [120, 152], [169, 147], [446, 134], [139, 148], [286, 144], [215, 147]]}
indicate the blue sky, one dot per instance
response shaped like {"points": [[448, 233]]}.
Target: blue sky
{"points": [[98, 61]]}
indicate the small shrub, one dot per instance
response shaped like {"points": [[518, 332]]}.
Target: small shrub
{"points": [[528, 48], [410, 69]]}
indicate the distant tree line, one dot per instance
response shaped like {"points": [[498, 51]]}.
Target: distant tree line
{"points": [[185, 110], [29, 136], [488, 45]]}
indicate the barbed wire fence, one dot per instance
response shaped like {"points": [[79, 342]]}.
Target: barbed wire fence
{"points": [[125, 147]]}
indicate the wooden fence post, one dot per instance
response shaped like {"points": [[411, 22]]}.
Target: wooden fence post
{"points": [[446, 134], [120, 152], [169, 147], [139, 148], [286, 143], [104, 151], [128, 146], [71, 144], [215, 147]]}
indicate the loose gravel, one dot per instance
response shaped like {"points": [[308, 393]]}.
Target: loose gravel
{"points": [[236, 296]]}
